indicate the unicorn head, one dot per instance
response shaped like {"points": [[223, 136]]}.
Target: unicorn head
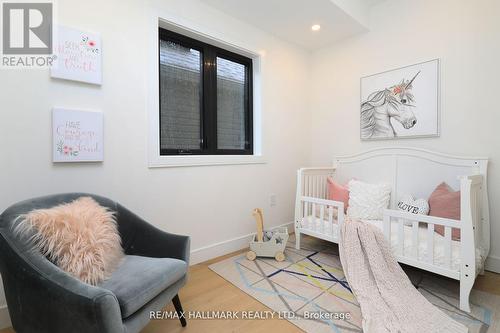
{"points": [[396, 103], [403, 96]]}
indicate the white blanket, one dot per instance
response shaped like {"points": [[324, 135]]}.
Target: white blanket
{"points": [[389, 302]]}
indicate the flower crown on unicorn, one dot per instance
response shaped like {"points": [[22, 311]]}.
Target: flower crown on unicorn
{"points": [[402, 90]]}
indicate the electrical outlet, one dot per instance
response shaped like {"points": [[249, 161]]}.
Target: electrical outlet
{"points": [[272, 200]]}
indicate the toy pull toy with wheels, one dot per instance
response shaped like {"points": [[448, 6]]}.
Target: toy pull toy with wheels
{"points": [[269, 244]]}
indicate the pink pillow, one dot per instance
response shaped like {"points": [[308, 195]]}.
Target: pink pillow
{"points": [[81, 237], [337, 192], [444, 202]]}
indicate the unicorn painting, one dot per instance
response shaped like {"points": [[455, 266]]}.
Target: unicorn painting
{"points": [[395, 103], [401, 103]]}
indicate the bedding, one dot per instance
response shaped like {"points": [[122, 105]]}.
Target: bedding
{"points": [[389, 302]]}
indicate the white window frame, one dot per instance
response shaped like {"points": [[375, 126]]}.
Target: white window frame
{"points": [[176, 24]]}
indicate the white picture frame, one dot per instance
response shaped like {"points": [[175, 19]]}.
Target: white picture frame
{"points": [[78, 56], [401, 103], [77, 136]]}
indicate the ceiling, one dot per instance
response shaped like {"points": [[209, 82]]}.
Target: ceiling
{"points": [[291, 20]]}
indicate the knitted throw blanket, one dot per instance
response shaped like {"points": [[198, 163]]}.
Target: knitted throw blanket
{"points": [[388, 300]]}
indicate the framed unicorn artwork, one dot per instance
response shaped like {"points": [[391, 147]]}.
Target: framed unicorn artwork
{"points": [[401, 103]]}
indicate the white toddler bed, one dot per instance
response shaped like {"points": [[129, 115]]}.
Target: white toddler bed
{"points": [[412, 237]]}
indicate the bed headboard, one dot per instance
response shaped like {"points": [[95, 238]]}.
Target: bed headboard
{"points": [[409, 170]]}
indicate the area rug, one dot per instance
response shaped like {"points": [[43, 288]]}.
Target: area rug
{"points": [[309, 289]]}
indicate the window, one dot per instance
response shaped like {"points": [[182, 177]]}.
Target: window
{"points": [[205, 98]]}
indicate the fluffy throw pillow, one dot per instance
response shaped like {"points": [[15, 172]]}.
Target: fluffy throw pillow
{"points": [[338, 192], [408, 204], [445, 202], [368, 201], [80, 237]]}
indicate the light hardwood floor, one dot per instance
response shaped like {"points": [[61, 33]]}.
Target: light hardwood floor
{"points": [[207, 291]]}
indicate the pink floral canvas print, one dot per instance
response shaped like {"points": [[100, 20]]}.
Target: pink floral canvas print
{"points": [[77, 136]]}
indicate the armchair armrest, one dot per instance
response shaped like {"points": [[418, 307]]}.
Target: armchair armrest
{"points": [[143, 239], [65, 304]]}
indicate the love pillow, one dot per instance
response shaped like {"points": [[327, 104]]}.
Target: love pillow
{"points": [[408, 204]]}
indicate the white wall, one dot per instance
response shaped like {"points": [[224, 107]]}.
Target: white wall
{"points": [[465, 35], [211, 204]]}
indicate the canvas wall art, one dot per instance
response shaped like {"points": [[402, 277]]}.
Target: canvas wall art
{"points": [[78, 56], [77, 135], [401, 103]]}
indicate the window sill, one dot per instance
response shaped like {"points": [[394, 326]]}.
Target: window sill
{"points": [[203, 160]]}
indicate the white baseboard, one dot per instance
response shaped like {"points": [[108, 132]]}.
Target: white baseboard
{"points": [[218, 249], [4, 317], [492, 264]]}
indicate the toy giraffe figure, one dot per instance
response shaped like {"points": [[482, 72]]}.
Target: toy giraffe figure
{"points": [[259, 219]]}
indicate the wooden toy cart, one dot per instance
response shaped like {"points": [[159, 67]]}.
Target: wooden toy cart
{"points": [[271, 247]]}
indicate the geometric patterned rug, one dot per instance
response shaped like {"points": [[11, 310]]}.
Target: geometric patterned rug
{"points": [[309, 290]]}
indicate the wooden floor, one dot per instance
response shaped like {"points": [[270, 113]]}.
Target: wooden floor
{"points": [[207, 291]]}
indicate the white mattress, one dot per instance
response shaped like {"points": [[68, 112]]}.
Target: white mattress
{"points": [[331, 229]]}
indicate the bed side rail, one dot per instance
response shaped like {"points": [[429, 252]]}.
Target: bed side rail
{"points": [[411, 257], [318, 215]]}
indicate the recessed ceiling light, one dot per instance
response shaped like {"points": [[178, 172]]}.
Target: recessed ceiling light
{"points": [[315, 27]]}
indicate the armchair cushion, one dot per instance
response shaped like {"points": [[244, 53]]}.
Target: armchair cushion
{"points": [[140, 279]]}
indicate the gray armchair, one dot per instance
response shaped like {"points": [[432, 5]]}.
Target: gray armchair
{"points": [[43, 298]]}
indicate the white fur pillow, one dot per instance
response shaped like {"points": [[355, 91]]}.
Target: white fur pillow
{"points": [[80, 237], [368, 201]]}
